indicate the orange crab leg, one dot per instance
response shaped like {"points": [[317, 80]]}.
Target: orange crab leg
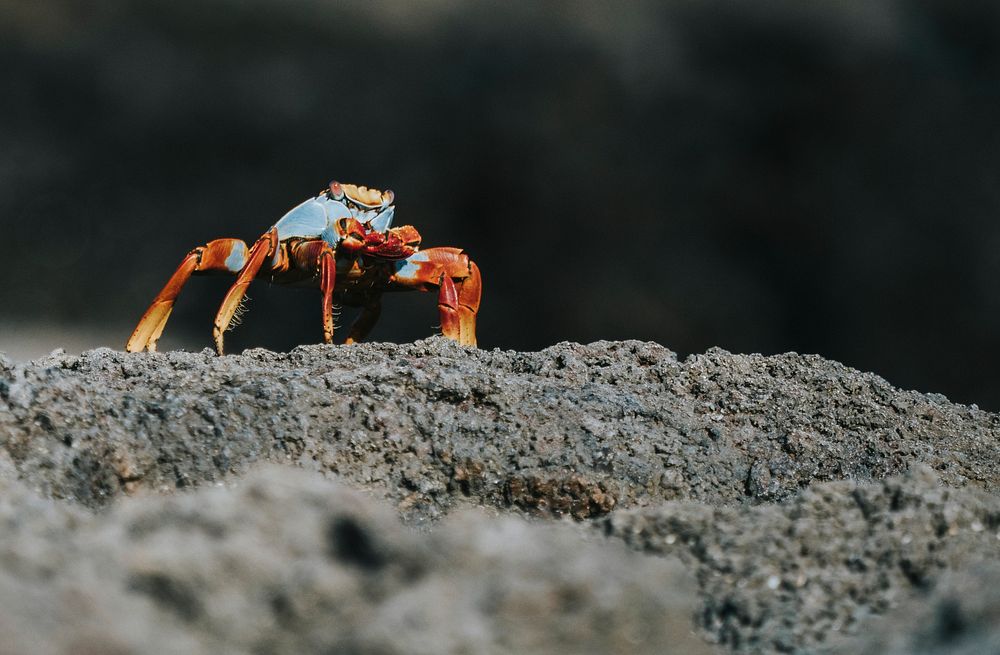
{"points": [[327, 282], [315, 261], [218, 256], [265, 247], [451, 325], [460, 288], [470, 293]]}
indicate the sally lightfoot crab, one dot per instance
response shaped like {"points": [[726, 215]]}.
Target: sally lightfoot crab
{"points": [[342, 242]]}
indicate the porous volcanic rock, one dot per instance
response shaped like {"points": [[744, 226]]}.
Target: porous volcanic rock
{"points": [[287, 562], [788, 576], [806, 499], [571, 430], [959, 616]]}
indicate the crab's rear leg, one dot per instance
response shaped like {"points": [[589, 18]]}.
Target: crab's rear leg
{"points": [[370, 312], [219, 256], [319, 258], [459, 287], [265, 248]]}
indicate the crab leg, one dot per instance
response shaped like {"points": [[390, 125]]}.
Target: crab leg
{"points": [[220, 255], [451, 325], [470, 292], [366, 321], [316, 259], [327, 281], [460, 288], [265, 247]]}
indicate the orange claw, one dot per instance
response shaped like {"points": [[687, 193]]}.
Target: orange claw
{"points": [[451, 325], [468, 304], [460, 288]]}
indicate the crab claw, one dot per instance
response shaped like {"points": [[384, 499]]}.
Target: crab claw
{"points": [[352, 235]]}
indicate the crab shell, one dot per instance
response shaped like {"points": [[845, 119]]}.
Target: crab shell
{"points": [[319, 217]]}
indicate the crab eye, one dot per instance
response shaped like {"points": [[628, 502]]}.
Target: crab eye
{"points": [[336, 191]]}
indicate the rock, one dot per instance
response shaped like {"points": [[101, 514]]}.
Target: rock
{"points": [[958, 616], [791, 576], [806, 500], [573, 430], [287, 562]]}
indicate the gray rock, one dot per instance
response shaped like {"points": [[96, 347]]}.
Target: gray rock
{"points": [[572, 430], [791, 576], [807, 499], [286, 562], [959, 616]]}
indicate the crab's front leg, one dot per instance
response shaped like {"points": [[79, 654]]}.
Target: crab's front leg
{"points": [[264, 249], [459, 285], [219, 256]]}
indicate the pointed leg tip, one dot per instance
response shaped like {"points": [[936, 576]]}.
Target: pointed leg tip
{"points": [[137, 345]]}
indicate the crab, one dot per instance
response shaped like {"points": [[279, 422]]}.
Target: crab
{"points": [[343, 243]]}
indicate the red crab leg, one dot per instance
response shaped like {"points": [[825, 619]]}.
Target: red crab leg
{"points": [[460, 288], [451, 325], [366, 321], [315, 259], [470, 292], [265, 247], [221, 255], [327, 281]]}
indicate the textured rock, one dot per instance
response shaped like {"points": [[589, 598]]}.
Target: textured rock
{"points": [[574, 429], [286, 562], [961, 616], [789, 576], [806, 499]]}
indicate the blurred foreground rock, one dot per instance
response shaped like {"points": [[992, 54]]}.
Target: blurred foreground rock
{"points": [[779, 577], [961, 616], [286, 562]]}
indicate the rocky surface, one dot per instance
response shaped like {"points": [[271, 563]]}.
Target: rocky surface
{"points": [[804, 498], [286, 562], [777, 577], [959, 616]]}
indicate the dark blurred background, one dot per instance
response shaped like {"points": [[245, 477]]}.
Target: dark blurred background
{"points": [[764, 176]]}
